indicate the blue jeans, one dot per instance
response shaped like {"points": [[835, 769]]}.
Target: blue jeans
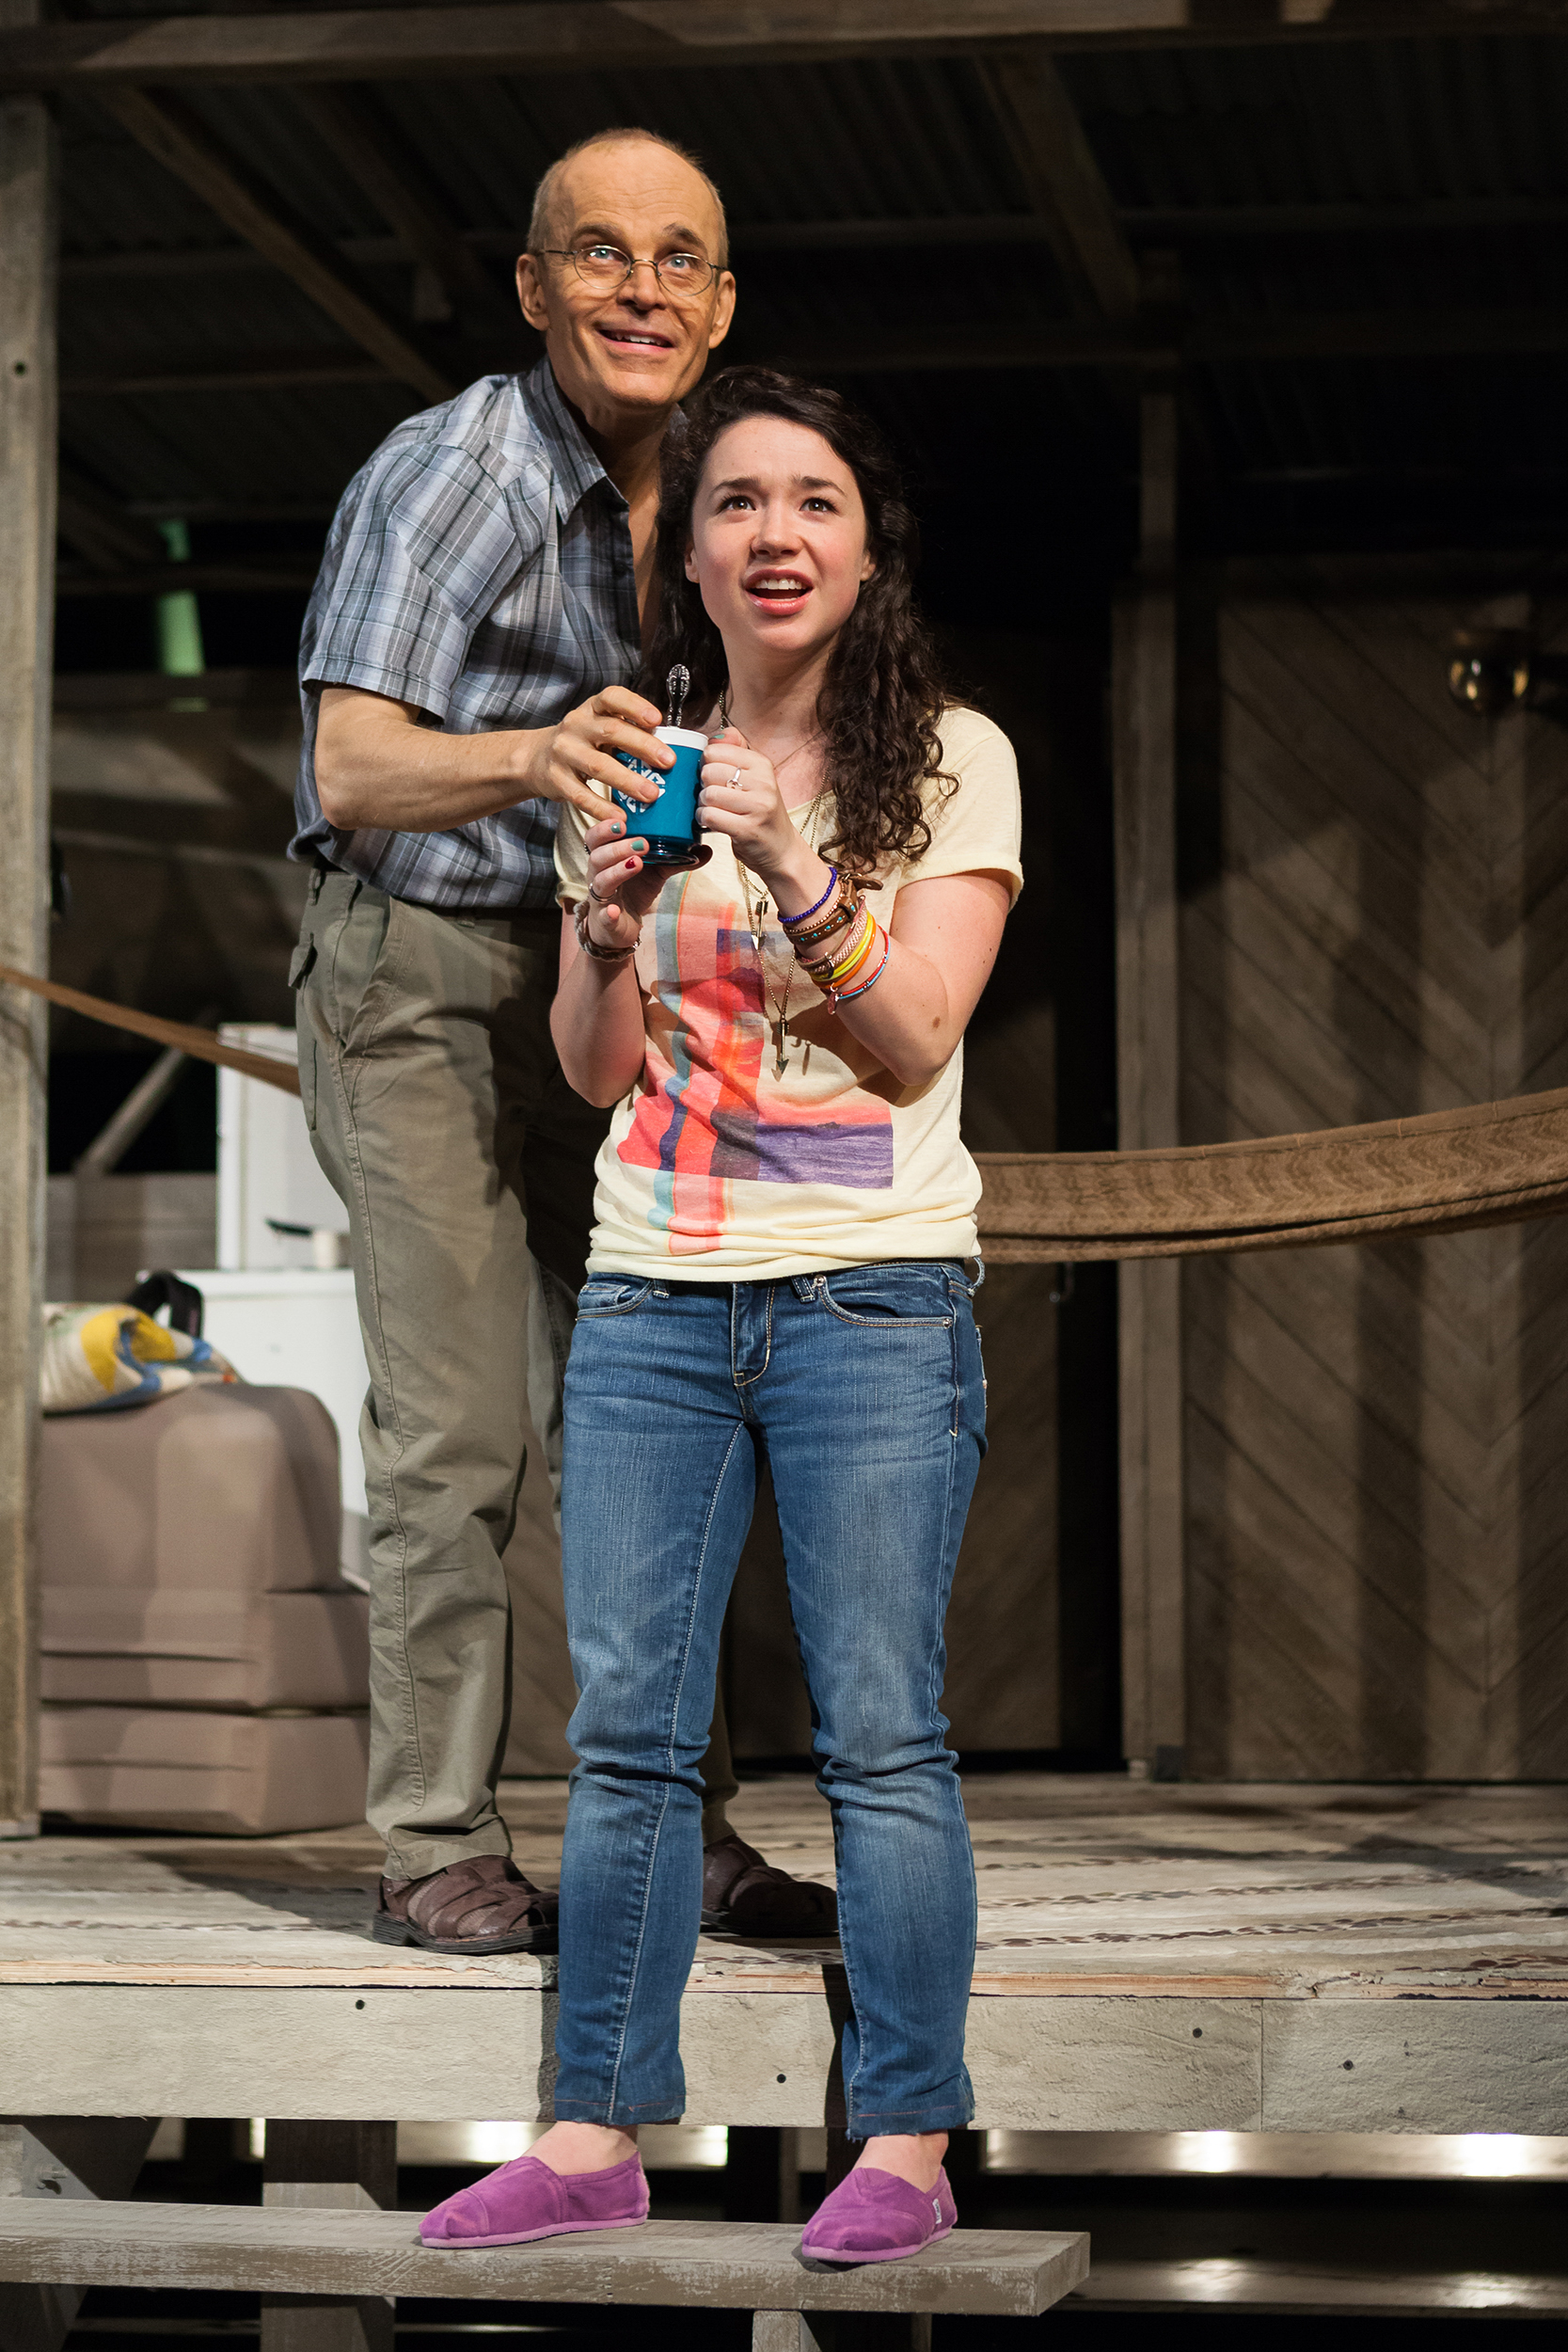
{"points": [[864, 1391]]}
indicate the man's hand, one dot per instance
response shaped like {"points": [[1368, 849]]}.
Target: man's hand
{"points": [[377, 764], [574, 761]]}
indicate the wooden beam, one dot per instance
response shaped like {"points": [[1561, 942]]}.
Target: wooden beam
{"points": [[1167, 224], [28, 246], [1375, 335], [181, 142], [588, 36], [101, 529], [1141, 346], [147, 690], [332, 2167], [1162, 346], [358, 136], [283, 576], [1064, 183], [738, 2265], [1424, 217], [260, 371], [50, 2156], [1144, 754]]}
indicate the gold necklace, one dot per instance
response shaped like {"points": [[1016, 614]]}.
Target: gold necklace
{"points": [[779, 764]]}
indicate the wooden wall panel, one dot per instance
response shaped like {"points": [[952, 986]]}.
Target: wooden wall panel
{"points": [[1376, 890], [1009, 1656]]}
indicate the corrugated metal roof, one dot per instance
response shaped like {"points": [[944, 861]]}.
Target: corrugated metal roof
{"points": [[1396, 124]]}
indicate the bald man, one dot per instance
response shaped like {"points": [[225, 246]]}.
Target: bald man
{"points": [[465, 669]]}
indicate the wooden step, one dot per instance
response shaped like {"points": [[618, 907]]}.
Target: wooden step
{"points": [[740, 2265]]}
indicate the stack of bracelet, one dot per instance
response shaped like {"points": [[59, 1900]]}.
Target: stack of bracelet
{"points": [[837, 939]]}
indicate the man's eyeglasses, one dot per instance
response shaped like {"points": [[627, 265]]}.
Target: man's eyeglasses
{"points": [[605, 268]]}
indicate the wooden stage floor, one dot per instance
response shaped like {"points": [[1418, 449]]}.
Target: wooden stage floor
{"points": [[1151, 1959]]}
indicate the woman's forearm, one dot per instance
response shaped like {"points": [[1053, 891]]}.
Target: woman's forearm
{"points": [[946, 933], [907, 1019], [597, 1021]]}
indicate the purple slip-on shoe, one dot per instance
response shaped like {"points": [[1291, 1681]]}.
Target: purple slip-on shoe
{"points": [[874, 2217], [525, 2199]]}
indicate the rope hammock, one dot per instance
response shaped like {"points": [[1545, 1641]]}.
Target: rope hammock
{"points": [[1449, 1172], [1445, 1174]]}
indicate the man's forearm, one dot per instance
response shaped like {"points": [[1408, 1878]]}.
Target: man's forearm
{"points": [[377, 767]]}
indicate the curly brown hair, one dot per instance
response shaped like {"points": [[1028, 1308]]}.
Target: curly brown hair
{"points": [[882, 697]]}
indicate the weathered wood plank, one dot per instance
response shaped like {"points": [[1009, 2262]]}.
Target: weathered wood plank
{"points": [[1160, 2061], [739, 2265], [1149, 1061], [1375, 1487], [28, 261], [385, 45], [49, 2157], [1133, 1940], [1414, 2065], [338, 2166]]}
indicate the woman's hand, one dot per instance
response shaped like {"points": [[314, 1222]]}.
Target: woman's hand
{"points": [[621, 889], [740, 797]]}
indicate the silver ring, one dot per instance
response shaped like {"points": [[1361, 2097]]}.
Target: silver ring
{"points": [[735, 778]]}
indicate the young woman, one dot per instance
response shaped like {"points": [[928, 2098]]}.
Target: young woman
{"points": [[785, 1213]]}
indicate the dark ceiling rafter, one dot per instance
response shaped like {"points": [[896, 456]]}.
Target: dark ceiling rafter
{"points": [[1150, 344], [100, 530], [1169, 225], [1064, 182], [350, 123], [1439, 216], [598, 36], [169, 131], [1215, 341], [294, 577], [246, 372]]}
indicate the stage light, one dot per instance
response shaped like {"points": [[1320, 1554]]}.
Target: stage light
{"points": [[1493, 2156], [1489, 669]]}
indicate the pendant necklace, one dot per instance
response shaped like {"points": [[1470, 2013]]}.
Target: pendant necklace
{"points": [[776, 1014], [757, 912]]}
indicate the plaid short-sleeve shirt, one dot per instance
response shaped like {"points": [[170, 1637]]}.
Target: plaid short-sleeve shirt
{"points": [[479, 565]]}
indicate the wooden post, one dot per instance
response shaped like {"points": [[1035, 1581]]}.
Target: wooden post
{"points": [[27, 425], [333, 2164], [55, 2156], [864, 2331], [1148, 1064]]}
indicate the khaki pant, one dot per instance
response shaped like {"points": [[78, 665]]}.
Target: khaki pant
{"points": [[439, 1114]]}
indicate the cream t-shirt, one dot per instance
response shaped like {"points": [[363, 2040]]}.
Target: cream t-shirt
{"points": [[719, 1167]]}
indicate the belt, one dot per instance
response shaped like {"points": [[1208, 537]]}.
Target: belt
{"points": [[546, 920]]}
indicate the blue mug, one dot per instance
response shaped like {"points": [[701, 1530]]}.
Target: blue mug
{"points": [[669, 825]]}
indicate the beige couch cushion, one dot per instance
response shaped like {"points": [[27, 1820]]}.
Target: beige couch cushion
{"points": [[222, 1489], [105, 1644], [221, 1775]]}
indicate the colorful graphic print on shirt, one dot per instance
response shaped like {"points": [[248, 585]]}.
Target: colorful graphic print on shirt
{"points": [[707, 1115]]}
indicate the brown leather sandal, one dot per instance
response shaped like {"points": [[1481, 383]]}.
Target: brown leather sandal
{"points": [[743, 1894], [482, 1905]]}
